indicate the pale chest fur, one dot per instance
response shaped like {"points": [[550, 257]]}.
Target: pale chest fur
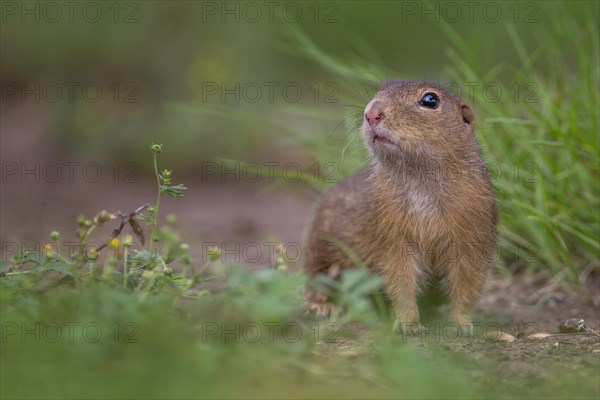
{"points": [[421, 203]]}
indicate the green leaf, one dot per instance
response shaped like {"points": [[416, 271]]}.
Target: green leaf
{"points": [[177, 187], [175, 191], [351, 280], [89, 266], [324, 284], [24, 256], [60, 266], [145, 218]]}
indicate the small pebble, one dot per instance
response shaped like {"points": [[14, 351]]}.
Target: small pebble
{"points": [[572, 325], [499, 336], [538, 336]]}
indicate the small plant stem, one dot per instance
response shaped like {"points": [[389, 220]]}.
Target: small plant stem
{"points": [[19, 272], [82, 242], [125, 267], [155, 215], [82, 255]]}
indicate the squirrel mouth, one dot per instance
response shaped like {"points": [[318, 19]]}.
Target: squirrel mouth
{"points": [[377, 137]]}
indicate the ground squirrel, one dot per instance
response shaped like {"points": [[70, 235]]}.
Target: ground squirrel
{"points": [[424, 208]]}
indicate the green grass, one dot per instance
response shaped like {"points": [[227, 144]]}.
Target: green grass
{"points": [[551, 203], [142, 347], [540, 138]]}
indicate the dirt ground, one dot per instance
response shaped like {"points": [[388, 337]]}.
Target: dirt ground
{"points": [[251, 214]]}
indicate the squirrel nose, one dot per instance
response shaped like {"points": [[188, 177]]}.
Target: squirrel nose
{"points": [[373, 114]]}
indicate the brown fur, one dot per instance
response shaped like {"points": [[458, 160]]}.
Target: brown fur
{"points": [[424, 207]]}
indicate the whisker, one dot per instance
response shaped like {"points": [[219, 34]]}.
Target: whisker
{"points": [[338, 125], [355, 90], [349, 105]]}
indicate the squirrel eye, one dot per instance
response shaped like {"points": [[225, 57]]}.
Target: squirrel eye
{"points": [[430, 100]]}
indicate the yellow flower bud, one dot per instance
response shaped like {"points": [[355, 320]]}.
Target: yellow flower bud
{"points": [[127, 241], [148, 275], [171, 219], [80, 219], [213, 253], [156, 148], [93, 254], [48, 252]]}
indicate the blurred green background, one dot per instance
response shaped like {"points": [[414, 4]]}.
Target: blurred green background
{"points": [[169, 50]]}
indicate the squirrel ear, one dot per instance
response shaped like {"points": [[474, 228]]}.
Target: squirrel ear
{"points": [[467, 114]]}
